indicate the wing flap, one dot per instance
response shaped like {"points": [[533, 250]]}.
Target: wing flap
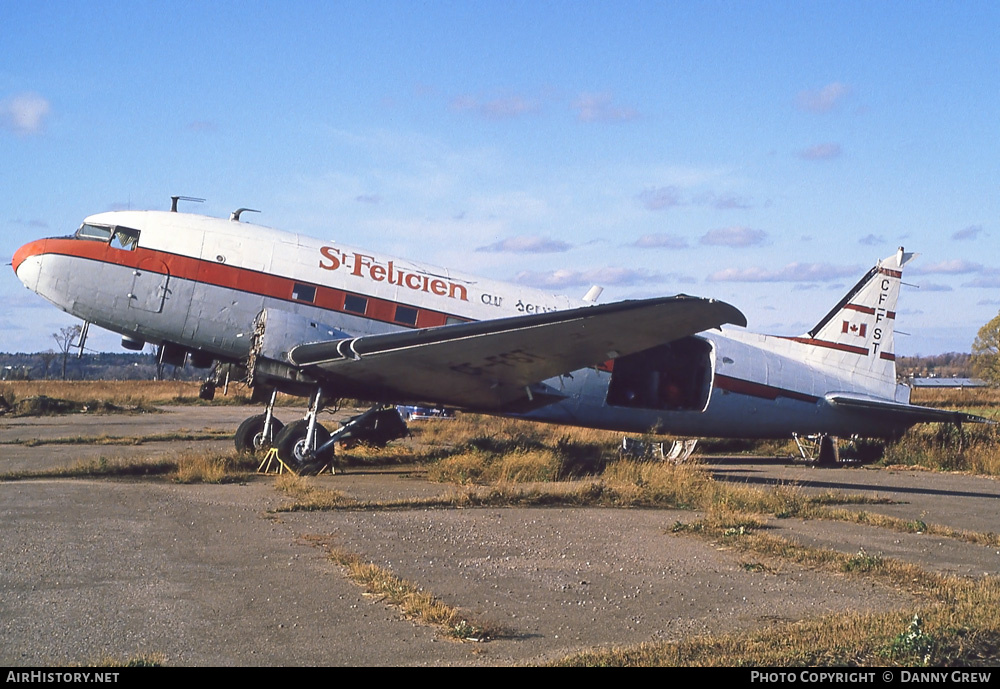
{"points": [[499, 364]]}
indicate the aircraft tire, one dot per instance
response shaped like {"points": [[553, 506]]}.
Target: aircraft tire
{"points": [[249, 436], [291, 443]]}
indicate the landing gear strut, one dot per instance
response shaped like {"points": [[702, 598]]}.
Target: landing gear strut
{"points": [[305, 441], [822, 450]]}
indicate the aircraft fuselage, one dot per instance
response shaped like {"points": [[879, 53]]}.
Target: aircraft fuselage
{"points": [[200, 282]]}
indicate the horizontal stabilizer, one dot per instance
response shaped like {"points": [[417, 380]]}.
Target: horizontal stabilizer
{"points": [[910, 412]]}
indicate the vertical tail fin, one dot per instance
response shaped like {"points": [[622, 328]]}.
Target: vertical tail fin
{"points": [[858, 333]]}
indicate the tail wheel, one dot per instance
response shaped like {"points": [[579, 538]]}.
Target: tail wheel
{"points": [[250, 438], [291, 443]]}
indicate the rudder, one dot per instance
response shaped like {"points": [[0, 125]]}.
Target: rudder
{"points": [[858, 332]]}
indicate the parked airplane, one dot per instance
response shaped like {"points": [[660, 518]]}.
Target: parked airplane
{"points": [[324, 320]]}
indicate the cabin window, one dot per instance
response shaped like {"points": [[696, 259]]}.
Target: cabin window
{"points": [[452, 320], [304, 293], [98, 232], [355, 304], [406, 315], [125, 238]]}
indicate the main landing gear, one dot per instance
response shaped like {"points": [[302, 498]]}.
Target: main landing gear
{"points": [[305, 443], [826, 450]]}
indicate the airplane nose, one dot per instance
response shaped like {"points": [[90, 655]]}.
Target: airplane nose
{"points": [[27, 263]]}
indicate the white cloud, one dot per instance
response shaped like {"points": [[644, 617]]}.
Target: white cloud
{"points": [[598, 107], [527, 245], [826, 151], [734, 237], [658, 198], [24, 114], [871, 240], [203, 126], [504, 108], [990, 281], [793, 272], [824, 99], [562, 278], [955, 266], [660, 241], [970, 232], [34, 223], [729, 202]]}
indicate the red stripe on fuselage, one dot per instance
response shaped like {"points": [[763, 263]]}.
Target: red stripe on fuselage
{"points": [[830, 345], [869, 310], [768, 392], [229, 277]]}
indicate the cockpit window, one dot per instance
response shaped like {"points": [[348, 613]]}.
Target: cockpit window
{"points": [[119, 237], [97, 232], [125, 238]]}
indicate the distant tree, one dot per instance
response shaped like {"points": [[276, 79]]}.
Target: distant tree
{"points": [[986, 352], [64, 338], [155, 351], [46, 358]]}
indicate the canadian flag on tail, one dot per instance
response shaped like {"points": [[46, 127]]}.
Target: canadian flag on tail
{"points": [[854, 329]]}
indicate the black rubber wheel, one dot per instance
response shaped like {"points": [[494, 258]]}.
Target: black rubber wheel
{"points": [[292, 440], [250, 438]]}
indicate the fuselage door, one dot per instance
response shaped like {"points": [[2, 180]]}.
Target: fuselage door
{"points": [[676, 376], [150, 285]]}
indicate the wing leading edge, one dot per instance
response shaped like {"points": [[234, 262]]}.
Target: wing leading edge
{"points": [[500, 364]]}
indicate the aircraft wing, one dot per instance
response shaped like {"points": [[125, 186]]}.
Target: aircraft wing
{"points": [[500, 364], [909, 412]]}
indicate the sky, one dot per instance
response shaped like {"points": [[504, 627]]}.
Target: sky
{"points": [[762, 153]]}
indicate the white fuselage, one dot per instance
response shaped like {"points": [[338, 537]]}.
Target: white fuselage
{"points": [[199, 282]]}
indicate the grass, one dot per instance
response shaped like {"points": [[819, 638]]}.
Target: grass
{"points": [[974, 449], [185, 467], [500, 462], [143, 660], [957, 625], [308, 497], [125, 440], [123, 394], [213, 467], [412, 601], [968, 398], [111, 396], [962, 635], [958, 622]]}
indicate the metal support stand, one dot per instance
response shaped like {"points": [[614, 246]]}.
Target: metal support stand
{"points": [[272, 464]]}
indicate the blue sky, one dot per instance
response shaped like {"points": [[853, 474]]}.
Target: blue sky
{"points": [[764, 153]]}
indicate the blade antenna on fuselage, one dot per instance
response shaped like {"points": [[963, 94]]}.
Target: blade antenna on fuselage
{"points": [[175, 199]]}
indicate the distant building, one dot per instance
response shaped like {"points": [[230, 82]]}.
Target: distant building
{"points": [[949, 383]]}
